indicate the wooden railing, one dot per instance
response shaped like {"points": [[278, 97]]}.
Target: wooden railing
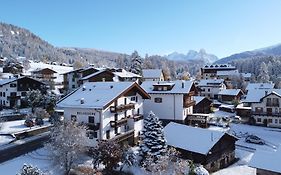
{"points": [[187, 104], [125, 135], [120, 108], [118, 122]]}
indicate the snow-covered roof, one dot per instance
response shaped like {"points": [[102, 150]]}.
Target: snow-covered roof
{"points": [[226, 73], [260, 86], [254, 95], [246, 75], [122, 74], [177, 87], [198, 99], [210, 82], [267, 160], [192, 139], [231, 92], [126, 74], [151, 73], [95, 94], [8, 80], [219, 66], [40, 65], [93, 74]]}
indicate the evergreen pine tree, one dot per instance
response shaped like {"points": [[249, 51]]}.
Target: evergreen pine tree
{"points": [[136, 63], [153, 141], [263, 76]]}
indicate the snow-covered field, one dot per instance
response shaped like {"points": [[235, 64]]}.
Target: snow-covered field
{"points": [[271, 136], [39, 158]]}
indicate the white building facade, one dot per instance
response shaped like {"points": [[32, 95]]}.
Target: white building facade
{"points": [[112, 110], [210, 88], [170, 101], [267, 111]]}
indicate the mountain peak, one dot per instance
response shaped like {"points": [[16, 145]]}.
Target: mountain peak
{"points": [[193, 55]]}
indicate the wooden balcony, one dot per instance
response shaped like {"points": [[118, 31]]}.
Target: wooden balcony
{"points": [[272, 104], [118, 123], [13, 97], [124, 136], [187, 104], [137, 117], [266, 114], [120, 108], [93, 126]]}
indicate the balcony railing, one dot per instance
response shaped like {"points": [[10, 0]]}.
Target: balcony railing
{"points": [[267, 114], [124, 136], [137, 117], [94, 126], [187, 104], [118, 122], [121, 108], [13, 97], [272, 104]]}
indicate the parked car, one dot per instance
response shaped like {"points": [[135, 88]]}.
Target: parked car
{"points": [[254, 139], [29, 122]]}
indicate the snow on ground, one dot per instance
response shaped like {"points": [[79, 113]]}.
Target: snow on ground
{"points": [[241, 167], [39, 158], [59, 69], [18, 125], [13, 111], [5, 139], [271, 136]]}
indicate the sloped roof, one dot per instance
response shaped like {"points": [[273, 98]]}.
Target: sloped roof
{"points": [[231, 92], [41, 69], [255, 95], [210, 82], [98, 94], [230, 72], [177, 87], [151, 73], [6, 81], [260, 86], [192, 139], [198, 99], [267, 160], [126, 74]]}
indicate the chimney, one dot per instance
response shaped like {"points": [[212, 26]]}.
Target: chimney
{"points": [[182, 84], [103, 79], [111, 86], [82, 101], [83, 88], [265, 92]]}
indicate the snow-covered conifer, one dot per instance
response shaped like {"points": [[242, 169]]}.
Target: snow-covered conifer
{"points": [[136, 63], [152, 137], [30, 170]]}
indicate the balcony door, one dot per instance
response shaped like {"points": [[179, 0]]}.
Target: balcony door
{"points": [[269, 111]]}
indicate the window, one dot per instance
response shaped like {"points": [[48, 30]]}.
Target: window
{"points": [[276, 121], [23, 94], [13, 85], [0, 94], [158, 100], [73, 86], [116, 130], [107, 134], [165, 88], [259, 120], [133, 98], [270, 120], [13, 94], [4, 94], [268, 102], [259, 110], [92, 134], [125, 100], [275, 101], [91, 119], [279, 121], [208, 89], [73, 118]]}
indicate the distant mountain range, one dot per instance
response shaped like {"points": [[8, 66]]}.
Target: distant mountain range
{"points": [[193, 55], [19, 42], [274, 50]]}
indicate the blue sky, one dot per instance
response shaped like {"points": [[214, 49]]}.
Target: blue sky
{"points": [[222, 27]]}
